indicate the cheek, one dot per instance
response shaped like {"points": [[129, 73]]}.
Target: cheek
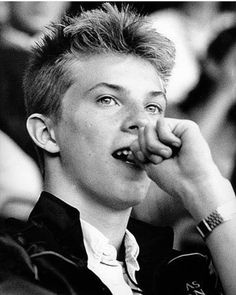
{"points": [[90, 135], [87, 130]]}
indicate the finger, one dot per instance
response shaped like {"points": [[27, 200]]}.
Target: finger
{"points": [[154, 159], [153, 143], [142, 142], [138, 157], [152, 156], [149, 156], [138, 154], [166, 134], [133, 158]]}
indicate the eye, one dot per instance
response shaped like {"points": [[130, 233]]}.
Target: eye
{"points": [[154, 109], [107, 101]]}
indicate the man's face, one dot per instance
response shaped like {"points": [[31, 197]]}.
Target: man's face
{"points": [[112, 97]]}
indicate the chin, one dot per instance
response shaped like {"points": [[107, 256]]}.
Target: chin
{"points": [[135, 199], [123, 197], [124, 202]]}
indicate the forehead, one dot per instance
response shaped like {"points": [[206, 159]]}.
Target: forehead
{"points": [[129, 71]]}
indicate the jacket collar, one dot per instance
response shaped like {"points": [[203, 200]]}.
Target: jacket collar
{"points": [[63, 222]]}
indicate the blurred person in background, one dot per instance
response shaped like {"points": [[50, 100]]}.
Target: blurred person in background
{"points": [[22, 24], [20, 180], [23, 27], [4, 12], [212, 103], [27, 20], [192, 26]]}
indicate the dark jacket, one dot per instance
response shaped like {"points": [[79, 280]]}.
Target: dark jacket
{"points": [[47, 256]]}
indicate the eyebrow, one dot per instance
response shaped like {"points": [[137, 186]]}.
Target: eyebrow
{"points": [[108, 85], [122, 89]]}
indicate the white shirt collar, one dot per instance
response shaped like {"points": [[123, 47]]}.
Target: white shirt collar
{"points": [[99, 249]]}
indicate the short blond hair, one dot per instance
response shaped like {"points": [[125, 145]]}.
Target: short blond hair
{"points": [[102, 30]]}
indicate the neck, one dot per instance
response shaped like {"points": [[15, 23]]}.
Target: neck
{"points": [[109, 221], [111, 224]]}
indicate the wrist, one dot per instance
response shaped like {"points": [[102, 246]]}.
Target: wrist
{"points": [[220, 215], [207, 195]]}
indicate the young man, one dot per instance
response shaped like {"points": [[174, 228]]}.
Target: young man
{"points": [[95, 95]]}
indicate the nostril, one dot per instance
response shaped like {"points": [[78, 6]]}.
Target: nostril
{"points": [[135, 122]]}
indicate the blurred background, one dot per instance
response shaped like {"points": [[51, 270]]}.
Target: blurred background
{"points": [[202, 88]]}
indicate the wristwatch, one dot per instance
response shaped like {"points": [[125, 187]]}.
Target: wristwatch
{"points": [[222, 214]]}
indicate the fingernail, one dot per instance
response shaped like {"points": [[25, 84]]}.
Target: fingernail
{"points": [[156, 159], [166, 152], [176, 144], [140, 156]]}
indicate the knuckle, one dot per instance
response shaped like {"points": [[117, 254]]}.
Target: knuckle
{"points": [[150, 147], [191, 124]]}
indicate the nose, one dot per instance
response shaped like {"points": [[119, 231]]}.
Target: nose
{"points": [[134, 121]]}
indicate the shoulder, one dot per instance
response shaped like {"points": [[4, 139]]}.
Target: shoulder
{"points": [[186, 274], [14, 260], [169, 271], [18, 274]]}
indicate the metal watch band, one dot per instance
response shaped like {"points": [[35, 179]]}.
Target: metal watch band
{"points": [[206, 226], [221, 214]]}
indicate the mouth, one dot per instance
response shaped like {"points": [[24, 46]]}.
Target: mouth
{"points": [[125, 155]]}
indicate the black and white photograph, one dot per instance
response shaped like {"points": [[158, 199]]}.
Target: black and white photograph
{"points": [[117, 147]]}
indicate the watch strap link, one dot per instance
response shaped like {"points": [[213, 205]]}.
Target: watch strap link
{"points": [[220, 215]]}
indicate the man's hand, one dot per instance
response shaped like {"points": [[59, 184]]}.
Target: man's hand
{"points": [[176, 157]]}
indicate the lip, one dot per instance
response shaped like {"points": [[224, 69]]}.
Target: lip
{"points": [[122, 153], [127, 161]]}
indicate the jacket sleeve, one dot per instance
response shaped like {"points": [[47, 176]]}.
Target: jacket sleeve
{"points": [[17, 273], [188, 274], [16, 286]]}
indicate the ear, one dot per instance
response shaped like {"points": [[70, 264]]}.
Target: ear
{"points": [[42, 133]]}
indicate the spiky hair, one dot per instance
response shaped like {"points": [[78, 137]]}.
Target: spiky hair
{"points": [[102, 30]]}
